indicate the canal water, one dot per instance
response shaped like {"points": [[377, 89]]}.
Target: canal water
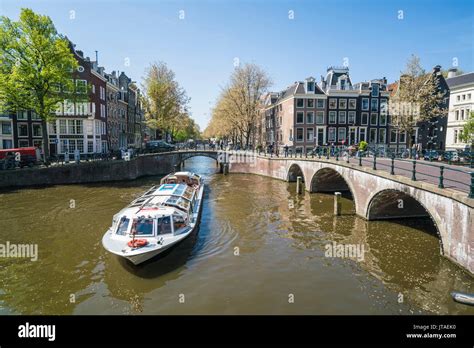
{"points": [[260, 249]]}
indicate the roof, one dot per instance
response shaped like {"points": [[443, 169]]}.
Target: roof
{"points": [[463, 79]]}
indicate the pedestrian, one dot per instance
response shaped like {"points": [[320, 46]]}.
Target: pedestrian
{"points": [[286, 150]]}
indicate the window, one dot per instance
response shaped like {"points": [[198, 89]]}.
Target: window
{"points": [[457, 115], [300, 117], [352, 104], [123, 226], [362, 132], [393, 136], [80, 145], [309, 117], [35, 116], [320, 103], [341, 133], [37, 130], [455, 140], [310, 103], [143, 226], [66, 88], [309, 134], [90, 146], [332, 134], [364, 118], [342, 103], [93, 89], [351, 117], [310, 85], [37, 143], [299, 134], [383, 107], [469, 96], [320, 117], [68, 108], [342, 117], [462, 114], [102, 110], [458, 98], [81, 86], [6, 128], [402, 137], [79, 127], [23, 143], [373, 135], [22, 130], [332, 117], [382, 135], [365, 103], [375, 90], [383, 120], [62, 127], [82, 108], [332, 103], [70, 127], [22, 115], [374, 105], [300, 103], [373, 119]]}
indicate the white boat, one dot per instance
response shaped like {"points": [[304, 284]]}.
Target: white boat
{"points": [[160, 218]]}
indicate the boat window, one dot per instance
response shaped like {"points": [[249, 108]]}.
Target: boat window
{"points": [[179, 190], [183, 203], [172, 200], [142, 226], [164, 225], [178, 222], [123, 226], [189, 193]]}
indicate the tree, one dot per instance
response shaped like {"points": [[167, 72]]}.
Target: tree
{"points": [[237, 110], [36, 68], [467, 134], [164, 101], [418, 98]]}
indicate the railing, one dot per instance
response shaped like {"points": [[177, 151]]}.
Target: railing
{"points": [[443, 175]]}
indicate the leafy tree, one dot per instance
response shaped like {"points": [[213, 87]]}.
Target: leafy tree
{"points": [[36, 68], [238, 108], [467, 134], [418, 98], [164, 101]]}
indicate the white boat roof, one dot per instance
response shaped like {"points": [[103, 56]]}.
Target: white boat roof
{"points": [[165, 199]]}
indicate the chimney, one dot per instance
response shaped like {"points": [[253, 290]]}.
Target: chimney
{"points": [[437, 69], [97, 57], [453, 72]]}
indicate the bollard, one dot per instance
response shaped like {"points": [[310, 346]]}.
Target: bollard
{"points": [[392, 168], [337, 203], [413, 174], [225, 169], [441, 177], [299, 186], [471, 191], [360, 159], [374, 166]]}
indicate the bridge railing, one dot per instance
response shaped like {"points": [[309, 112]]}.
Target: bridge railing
{"points": [[445, 176]]}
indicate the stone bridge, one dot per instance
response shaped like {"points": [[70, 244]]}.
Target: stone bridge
{"points": [[379, 195]]}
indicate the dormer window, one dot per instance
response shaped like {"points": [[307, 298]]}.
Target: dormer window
{"points": [[310, 86], [375, 90]]}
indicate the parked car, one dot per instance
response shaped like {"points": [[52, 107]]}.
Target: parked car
{"points": [[451, 155], [159, 146], [431, 154], [24, 156]]}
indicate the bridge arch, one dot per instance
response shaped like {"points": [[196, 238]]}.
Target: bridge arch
{"points": [[187, 155], [293, 172], [393, 204]]}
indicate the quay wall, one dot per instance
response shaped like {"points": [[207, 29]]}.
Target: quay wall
{"points": [[98, 171]]}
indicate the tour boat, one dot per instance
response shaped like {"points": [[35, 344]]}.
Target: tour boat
{"points": [[160, 218]]}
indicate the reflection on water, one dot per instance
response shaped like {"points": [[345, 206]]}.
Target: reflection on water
{"points": [[257, 244]]}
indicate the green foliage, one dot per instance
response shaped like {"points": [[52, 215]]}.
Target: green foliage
{"points": [[467, 134], [36, 67], [363, 145]]}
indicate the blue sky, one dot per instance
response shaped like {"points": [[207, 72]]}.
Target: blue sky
{"points": [[202, 47]]}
